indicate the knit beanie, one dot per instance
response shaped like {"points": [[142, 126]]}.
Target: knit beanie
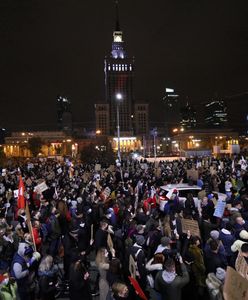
{"points": [[214, 234]]}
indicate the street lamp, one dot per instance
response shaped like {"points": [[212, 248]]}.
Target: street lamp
{"points": [[118, 99]]}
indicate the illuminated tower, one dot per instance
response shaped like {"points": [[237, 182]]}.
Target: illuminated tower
{"points": [[119, 74]]}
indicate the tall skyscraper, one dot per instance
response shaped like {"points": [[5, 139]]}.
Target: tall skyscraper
{"points": [[172, 110], [119, 75], [64, 115], [188, 116], [216, 114]]}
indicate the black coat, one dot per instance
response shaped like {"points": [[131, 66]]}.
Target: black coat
{"points": [[78, 286]]}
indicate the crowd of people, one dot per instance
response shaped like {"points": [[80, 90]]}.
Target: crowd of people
{"points": [[109, 219]]}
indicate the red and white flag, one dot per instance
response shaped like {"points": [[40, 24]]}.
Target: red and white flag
{"points": [[21, 198]]}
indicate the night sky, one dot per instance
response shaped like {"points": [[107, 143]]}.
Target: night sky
{"points": [[51, 47]]}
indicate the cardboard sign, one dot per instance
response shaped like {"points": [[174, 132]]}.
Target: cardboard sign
{"points": [[132, 266], [193, 174], [241, 266], [98, 167], [192, 226], [219, 209], [110, 242], [28, 182], [235, 287], [41, 187]]}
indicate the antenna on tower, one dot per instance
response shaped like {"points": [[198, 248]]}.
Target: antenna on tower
{"points": [[117, 22]]}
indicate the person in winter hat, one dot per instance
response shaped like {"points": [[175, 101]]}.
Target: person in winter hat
{"points": [[215, 283], [168, 283], [20, 269], [8, 288]]}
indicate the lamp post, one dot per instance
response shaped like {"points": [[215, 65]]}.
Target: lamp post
{"points": [[118, 99]]}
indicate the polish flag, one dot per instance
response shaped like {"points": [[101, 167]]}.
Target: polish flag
{"points": [[21, 199]]}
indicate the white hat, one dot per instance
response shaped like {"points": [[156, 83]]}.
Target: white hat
{"points": [[243, 234]]}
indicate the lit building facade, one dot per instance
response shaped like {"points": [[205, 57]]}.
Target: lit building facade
{"points": [[54, 143], [64, 115], [141, 118], [119, 97], [102, 119], [171, 102], [216, 114], [188, 117]]}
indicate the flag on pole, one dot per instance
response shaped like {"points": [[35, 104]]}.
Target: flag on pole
{"points": [[21, 199]]}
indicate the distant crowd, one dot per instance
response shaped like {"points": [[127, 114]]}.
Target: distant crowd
{"points": [[85, 231]]}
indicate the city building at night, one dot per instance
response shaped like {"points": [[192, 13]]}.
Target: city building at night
{"points": [[120, 108], [216, 114], [171, 102], [64, 115], [188, 116]]}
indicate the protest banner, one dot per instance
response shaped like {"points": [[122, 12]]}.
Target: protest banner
{"points": [[41, 187], [235, 287], [219, 209], [190, 225]]}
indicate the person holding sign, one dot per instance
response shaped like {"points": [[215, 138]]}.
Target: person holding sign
{"points": [[168, 283]]}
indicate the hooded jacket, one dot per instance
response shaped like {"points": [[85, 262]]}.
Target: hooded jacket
{"points": [[171, 289]]}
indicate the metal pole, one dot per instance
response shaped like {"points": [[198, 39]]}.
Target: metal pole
{"points": [[118, 132]]}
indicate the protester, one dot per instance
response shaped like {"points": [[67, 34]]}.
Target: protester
{"points": [[72, 214]]}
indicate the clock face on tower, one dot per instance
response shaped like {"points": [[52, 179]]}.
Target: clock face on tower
{"points": [[118, 38]]}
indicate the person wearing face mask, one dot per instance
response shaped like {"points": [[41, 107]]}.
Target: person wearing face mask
{"points": [[8, 288], [168, 283]]}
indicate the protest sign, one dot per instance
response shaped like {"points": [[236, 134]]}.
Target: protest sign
{"points": [[28, 182], [241, 266], [190, 225], [193, 174], [110, 242], [235, 287], [16, 193], [98, 167], [132, 266], [41, 187], [219, 209]]}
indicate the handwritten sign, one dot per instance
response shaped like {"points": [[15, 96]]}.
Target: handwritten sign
{"points": [[241, 266], [219, 209], [41, 187], [235, 287], [190, 225]]}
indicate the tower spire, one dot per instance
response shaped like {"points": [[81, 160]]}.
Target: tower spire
{"points": [[117, 22]]}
